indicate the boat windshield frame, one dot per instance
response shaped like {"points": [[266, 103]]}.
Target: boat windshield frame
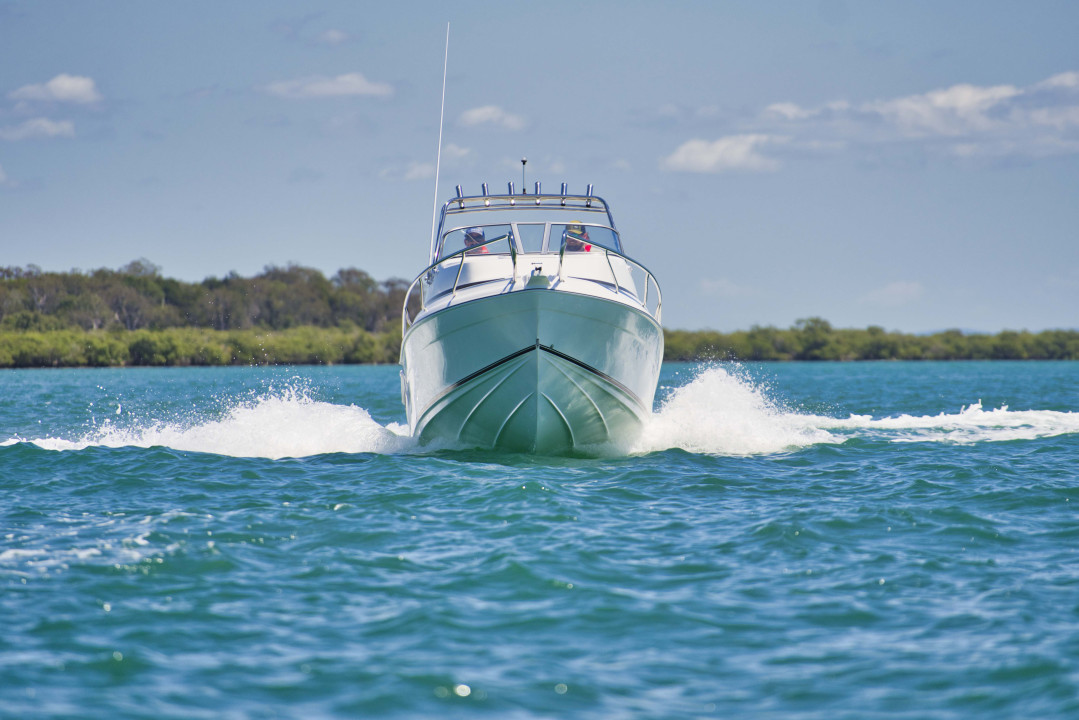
{"points": [[521, 205]]}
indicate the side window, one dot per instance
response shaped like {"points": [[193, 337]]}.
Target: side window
{"points": [[452, 242], [604, 237]]}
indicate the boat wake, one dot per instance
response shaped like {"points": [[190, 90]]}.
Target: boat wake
{"points": [[725, 413], [720, 411], [282, 423]]}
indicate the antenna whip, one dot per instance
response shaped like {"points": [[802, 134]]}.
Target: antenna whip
{"points": [[438, 157]]}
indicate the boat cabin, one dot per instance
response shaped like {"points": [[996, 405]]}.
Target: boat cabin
{"points": [[492, 244]]}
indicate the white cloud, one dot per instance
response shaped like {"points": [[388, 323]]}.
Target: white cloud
{"points": [[733, 152], [491, 115], [952, 111], [347, 85], [38, 128], [1059, 118], [63, 88], [1062, 80], [419, 171], [959, 121], [669, 110], [455, 152], [896, 294], [3, 177], [334, 37], [789, 111], [416, 170]]}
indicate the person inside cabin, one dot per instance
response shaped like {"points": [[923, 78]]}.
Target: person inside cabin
{"points": [[474, 236], [576, 238]]}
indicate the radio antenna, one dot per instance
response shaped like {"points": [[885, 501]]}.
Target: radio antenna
{"points": [[438, 157]]}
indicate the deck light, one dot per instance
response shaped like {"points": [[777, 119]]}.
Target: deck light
{"points": [[588, 192], [538, 189], [511, 188], [486, 196], [565, 189]]}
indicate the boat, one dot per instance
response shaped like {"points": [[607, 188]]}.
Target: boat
{"points": [[530, 330]]}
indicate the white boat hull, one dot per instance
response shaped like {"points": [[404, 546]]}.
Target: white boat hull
{"points": [[541, 370]]}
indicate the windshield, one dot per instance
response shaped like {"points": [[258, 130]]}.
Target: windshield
{"points": [[529, 237], [580, 237]]}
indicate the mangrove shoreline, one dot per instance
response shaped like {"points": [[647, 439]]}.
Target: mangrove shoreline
{"points": [[810, 340], [294, 315]]}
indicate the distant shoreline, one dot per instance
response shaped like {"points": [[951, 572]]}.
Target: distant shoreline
{"points": [[294, 315], [812, 340]]}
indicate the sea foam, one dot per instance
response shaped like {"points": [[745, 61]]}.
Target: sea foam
{"points": [[282, 423], [721, 411]]}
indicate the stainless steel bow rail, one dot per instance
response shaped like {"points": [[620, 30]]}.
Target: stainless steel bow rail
{"points": [[425, 278]]}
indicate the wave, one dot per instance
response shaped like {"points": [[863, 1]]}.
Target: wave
{"points": [[725, 413], [719, 412], [283, 423]]}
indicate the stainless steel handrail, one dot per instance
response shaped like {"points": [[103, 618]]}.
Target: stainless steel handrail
{"points": [[648, 276], [406, 320]]}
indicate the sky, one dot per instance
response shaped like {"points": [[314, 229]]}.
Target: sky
{"points": [[908, 164]]}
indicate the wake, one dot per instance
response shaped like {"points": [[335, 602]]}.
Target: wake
{"points": [[285, 423], [719, 412], [723, 413]]}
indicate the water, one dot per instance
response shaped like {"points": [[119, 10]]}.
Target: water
{"points": [[802, 540]]}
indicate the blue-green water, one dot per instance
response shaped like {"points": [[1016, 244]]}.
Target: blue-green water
{"points": [[815, 541]]}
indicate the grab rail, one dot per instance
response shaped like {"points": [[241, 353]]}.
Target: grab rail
{"points": [[649, 278], [406, 321]]}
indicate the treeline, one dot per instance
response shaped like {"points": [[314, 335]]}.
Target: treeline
{"points": [[136, 297], [811, 339], [197, 346], [816, 339], [293, 314]]}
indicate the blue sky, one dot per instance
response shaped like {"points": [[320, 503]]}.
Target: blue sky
{"points": [[908, 164]]}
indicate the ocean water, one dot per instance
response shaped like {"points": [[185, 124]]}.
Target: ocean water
{"points": [[784, 541]]}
